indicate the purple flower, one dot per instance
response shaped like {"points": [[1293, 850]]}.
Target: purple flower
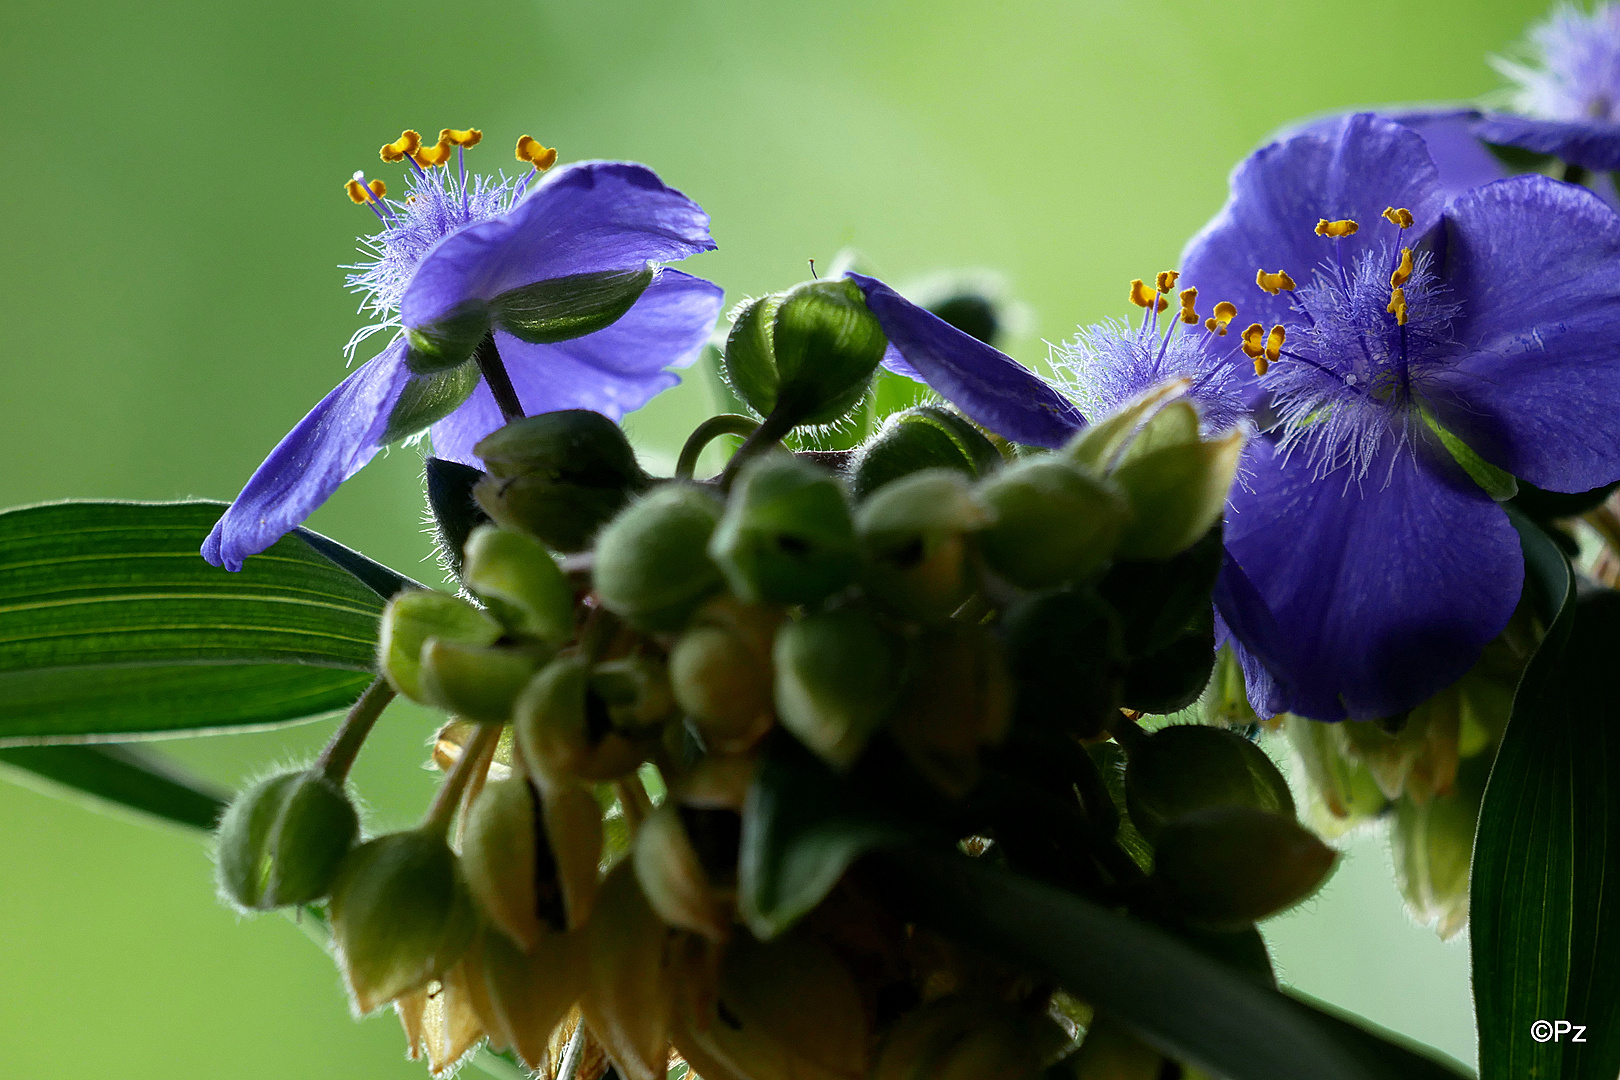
{"points": [[465, 261], [990, 387], [1568, 92], [1487, 324]]}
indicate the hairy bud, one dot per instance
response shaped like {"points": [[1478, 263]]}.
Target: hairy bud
{"points": [[1230, 866], [917, 536], [720, 671], [521, 583], [835, 682], [477, 682], [1049, 522], [282, 840], [652, 562], [564, 728], [1186, 767], [414, 616], [924, 437], [786, 537]]}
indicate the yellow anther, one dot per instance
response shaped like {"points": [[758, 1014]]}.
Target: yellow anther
{"points": [[1188, 298], [1336, 229], [1403, 272], [540, 157], [1274, 344], [470, 137], [1253, 344], [357, 192], [1397, 305], [1274, 283], [1167, 280], [430, 156], [1225, 312], [1144, 297], [409, 142], [1399, 217], [1261, 365]]}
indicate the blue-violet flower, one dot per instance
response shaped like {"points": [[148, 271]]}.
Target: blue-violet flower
{"points": [[1568, 92]]}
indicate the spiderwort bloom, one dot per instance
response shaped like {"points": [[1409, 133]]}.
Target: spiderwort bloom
{"points": [[1425, 349], [504, 296], [1568, 92], [990, 387]]}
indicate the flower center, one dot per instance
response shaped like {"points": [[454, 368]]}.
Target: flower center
{"points": [[438, 201], [1573, 71]]}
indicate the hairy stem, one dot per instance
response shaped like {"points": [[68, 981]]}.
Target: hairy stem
{"points": [[338, 757], [707, 432], [767, 435], [443, 810]]}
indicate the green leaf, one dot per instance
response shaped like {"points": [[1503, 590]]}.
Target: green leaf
{"points": [[558, 309], [112, 625], [1545, 924], [1190, 1006], [126, 776]]}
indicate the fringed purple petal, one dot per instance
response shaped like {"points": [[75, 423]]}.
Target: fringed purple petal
{"points": [[1594, 144]]}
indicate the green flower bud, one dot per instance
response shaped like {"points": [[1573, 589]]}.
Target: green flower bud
{"points": [[652, 561], [1416, 754], [1342, 787], [450, 501], [1171, 678], [786, 537], [1230, 866], [1175, 424], [636, 691], [531, 994], [957, 699], [1187, 767], [1432, 843], [564, 728], [522, 584], [806, 354], [414, 616], [916, 533], [477, 682], [1177, 493], [835, 682], [925, 437], [1050, 522], [530, 861], [628, 987], [1161, 600], [1065, 653], [1098, 447], [559, 476], [401, 916], [282, 840], [673, 878], [720, 671], [1109, 1052]]}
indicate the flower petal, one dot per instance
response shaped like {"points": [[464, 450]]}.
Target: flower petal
{"points": [[1386, 591], [326, 447], [1353, 168], [990, 387], [1536, 265], [1462, 160], [1262, 650], [1594, 144], [584, 217], [614, 371]]}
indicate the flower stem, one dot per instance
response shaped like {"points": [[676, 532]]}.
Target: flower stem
{"points": [[767, 435], [443, 809], [496, 378], [707, 432], [338, 757]]}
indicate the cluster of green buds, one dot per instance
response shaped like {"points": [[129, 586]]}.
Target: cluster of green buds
{"points": [[961, 633]]}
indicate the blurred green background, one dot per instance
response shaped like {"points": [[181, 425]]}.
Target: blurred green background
{"points": [[174, 218]]}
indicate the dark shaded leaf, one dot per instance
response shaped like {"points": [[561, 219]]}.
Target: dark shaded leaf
{"points": [[112, 625], [1545, 919], [126, 776]]}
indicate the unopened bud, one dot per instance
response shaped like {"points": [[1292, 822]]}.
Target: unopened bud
{"points": [[282, 840], [916, 533], [564, 729], [522, 584], [1432, 843], [786, 537], [1346, 791], [1417, 755], [450, 501], [1065, 652], [628, 987], [636, 691], [652, 561], [1177, 494], [925, 437], [976, 302], [559, 476], [806, 354], [1174, 424], [531, 994], [401, 916], [477, 682], [720, 670], [414, 616], [835, 682], [1187, 767], [673, 878], [1099, 446], [1230, 866], [508, 865], [1049, 522], [958, 698], [1109, 1052]]}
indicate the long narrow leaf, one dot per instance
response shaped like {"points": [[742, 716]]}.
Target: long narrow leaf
{"points": [[113, 627], [1545, 888], [124, 776]]}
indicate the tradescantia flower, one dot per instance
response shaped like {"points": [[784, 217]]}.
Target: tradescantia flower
{"points": [[1427, 351], [504, 296], [1568, 92]]}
